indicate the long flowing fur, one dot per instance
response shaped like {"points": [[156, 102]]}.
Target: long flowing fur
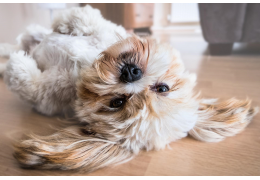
{"points": [[68, 149], [218, 120], [78, 68]]}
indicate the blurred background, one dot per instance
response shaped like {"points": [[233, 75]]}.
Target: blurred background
{"points": [[222, 26]]}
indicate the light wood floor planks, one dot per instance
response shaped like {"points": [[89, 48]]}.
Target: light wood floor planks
{"points": [[237, 76]]}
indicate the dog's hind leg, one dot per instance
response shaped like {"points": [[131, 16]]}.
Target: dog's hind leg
{"points": [[21, 72], [33, 35], [26, 41], [49, 92], [218, 120]]}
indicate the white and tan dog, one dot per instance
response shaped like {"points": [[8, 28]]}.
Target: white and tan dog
{"points": [[127, 93]]}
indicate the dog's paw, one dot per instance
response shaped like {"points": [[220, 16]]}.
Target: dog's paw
{"points": [[20, 75], [20, 68]]}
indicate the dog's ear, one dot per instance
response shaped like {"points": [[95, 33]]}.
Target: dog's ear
{"points": [[218, 120], [69, 149]]}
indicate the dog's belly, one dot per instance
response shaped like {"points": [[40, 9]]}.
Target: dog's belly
{"points": [[65, 50]]}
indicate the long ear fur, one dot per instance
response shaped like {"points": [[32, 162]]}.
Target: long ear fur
{"points": [[218, 120], [69, 149]]}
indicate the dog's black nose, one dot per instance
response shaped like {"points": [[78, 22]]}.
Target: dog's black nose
{"points": [[130, 73]]}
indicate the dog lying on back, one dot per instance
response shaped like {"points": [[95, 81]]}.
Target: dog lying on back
{"points": [[128, 94]]}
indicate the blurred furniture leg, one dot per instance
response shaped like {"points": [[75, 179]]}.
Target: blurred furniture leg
{"points": [[222, 25], [220, 49]]}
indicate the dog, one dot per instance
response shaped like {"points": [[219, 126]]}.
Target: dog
{"points": [[128, 94]]}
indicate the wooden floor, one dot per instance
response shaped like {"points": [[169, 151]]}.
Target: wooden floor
{"points": [[237, 76]]}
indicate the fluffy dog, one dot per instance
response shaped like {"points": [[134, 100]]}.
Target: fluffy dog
{"points": [[128, 94]]}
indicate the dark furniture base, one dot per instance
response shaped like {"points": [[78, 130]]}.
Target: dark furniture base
{"points": [[220, 49]]}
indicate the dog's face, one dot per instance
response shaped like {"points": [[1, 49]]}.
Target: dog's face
{"points": [[135, 90]]}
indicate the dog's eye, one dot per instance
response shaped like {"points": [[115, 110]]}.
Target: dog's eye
{"points": [[116, 103], [162, 88]]}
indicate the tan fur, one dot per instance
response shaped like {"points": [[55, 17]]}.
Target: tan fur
{"points": [[218, 120], [66, 73], [69, 149]]}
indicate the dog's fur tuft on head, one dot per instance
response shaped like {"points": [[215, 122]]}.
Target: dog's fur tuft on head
{"points": [[134, 94]]}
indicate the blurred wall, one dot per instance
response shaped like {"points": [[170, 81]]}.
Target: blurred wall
{"points": [[161, 13], [15, 17]]}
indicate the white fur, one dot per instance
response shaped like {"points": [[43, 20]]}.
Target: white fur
{"points": [[45, 71], [60, 58]]}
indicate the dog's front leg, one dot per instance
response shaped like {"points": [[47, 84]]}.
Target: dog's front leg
{"points": [[49, 92], [20, 75]]}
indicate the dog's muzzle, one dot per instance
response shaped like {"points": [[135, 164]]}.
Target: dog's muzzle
{"points": [[130, 73]]}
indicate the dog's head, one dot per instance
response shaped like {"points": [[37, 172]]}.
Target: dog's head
{"points": [[134, 91]]}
